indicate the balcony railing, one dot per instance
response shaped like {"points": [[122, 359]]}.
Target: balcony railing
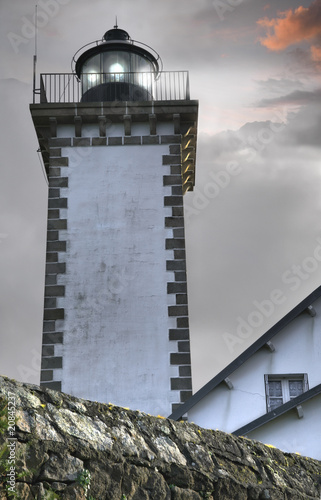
{"points": [[68, 88]]}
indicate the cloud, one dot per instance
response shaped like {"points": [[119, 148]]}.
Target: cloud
{"points": [[292, 26], [245, 230], [316, 53], [278, 85], [297, 97]]}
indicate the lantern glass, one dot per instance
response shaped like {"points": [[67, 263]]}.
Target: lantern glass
{"points": [[117, 74]]}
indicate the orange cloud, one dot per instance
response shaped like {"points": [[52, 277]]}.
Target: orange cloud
{"points": [[292, 26], [316, 53]]}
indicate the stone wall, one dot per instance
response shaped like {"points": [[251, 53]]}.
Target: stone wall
{"points": [[55, 444]]}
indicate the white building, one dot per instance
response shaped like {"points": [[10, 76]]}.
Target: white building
{"points": [[271, 392]]}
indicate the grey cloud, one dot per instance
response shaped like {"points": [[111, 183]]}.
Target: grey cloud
{"points": [[296, 97], [279, 85]]}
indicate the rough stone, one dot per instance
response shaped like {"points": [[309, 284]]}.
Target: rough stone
{"points": [[134, 456]]}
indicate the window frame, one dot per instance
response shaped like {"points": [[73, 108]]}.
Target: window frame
{"points": [[285, 380]]}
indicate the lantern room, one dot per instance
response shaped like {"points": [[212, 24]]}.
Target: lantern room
{"points": [[117, 69]]}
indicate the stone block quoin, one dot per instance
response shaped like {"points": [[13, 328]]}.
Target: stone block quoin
{"points": [[55, 246], [181, 358]]}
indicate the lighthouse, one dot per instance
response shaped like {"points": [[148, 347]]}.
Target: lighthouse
{"points": [[118, 141]]}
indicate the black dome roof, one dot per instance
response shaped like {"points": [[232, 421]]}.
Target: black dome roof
{"points": [[116, 34]]}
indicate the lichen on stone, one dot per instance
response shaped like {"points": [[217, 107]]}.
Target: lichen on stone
{"points": [[131, 455]]}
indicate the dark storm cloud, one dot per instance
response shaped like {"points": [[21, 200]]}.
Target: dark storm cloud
{"points": [[278, 85], [297, 97]]}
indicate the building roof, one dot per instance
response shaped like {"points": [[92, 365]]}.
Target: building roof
{"points": [[220, 377], [271, 415]]}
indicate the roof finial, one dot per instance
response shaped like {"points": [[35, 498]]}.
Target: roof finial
{"points": [[116, 25]]}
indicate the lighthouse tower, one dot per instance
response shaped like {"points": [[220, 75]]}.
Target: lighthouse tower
{"points": [[118, 140]]}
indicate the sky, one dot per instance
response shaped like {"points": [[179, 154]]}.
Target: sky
{"points": [[253, 221]]}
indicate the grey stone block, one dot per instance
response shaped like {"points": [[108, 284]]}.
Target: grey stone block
{"points": [[52, 235], [180, 358], [102, 122], [179, 334], [176, 406], [177, 190], [54, 362], [179, 254], [182, 322], [53, 192], [46, 375], [175, 311], [57, 224], [180, 276], [179, 233], [50, 303], [172, 243], [60, 142], [58, 161], [184, 346], [49, 326], [152, 124], [181, 298], [60, 182], [53, 213], [127, 124], [52, 338], [115, 141], [175, 265], [176, 288], [170, 139], [56, 268], [56, 246], [57, 203], [55, 386], [81, 141], [174, 222], [99, 141], [150, 139], [178, 384], [51, 279], [48, 350], [54, 314], [55, 291], [185, 371], [54, 152], [133, 139], [54, 171], [185, 396], [78, 124], [178, 212], [170, 201]]}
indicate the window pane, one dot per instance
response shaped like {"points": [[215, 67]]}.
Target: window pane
{"points": [[92, 65], [116, 62], [275, 402], [275, 388], [295, 388]]}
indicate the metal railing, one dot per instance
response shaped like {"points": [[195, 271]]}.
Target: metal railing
{"points": [[68, 88]]}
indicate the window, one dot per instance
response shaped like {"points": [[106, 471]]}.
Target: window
{"points": [[282, 388]]}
